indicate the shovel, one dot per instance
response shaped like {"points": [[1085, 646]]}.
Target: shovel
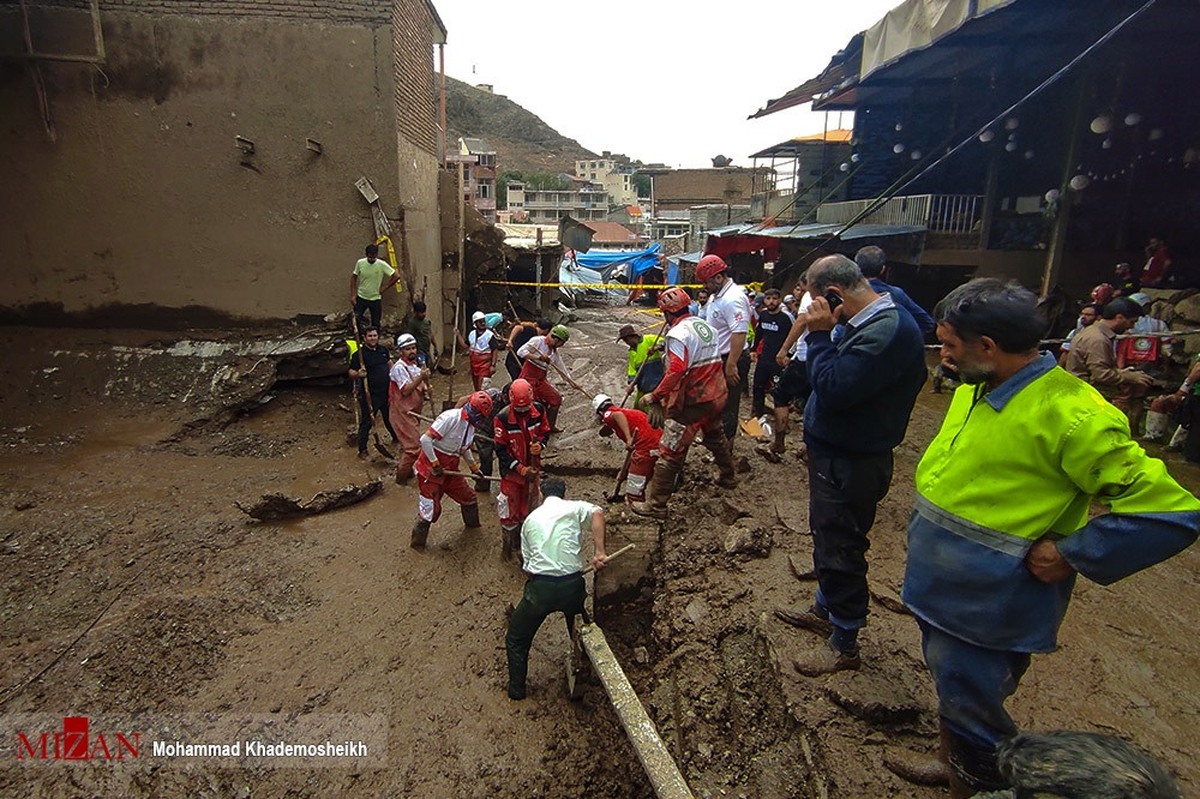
{"points": [[621, 475]]}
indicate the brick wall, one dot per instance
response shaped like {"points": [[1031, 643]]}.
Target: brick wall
{"points": [[412, 53], [682, 188], [364, 11]]}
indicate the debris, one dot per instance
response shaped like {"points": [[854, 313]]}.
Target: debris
{"points": [[803, 575], [891, 601], [743, 539], [273, 507], [872, 699]]}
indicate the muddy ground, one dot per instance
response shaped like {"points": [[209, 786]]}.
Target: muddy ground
{"points": [[134, 588]]}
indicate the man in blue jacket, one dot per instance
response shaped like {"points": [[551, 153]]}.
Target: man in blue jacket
{"points": [[1001, 529], [872, 261], [863, 391]]}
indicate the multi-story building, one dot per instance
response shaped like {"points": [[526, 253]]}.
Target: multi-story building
{"points": [[615, 175], [805, 172], [479, 175], [547, 206]]}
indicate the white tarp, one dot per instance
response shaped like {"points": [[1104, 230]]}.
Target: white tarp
{"points": [[916, 24]]}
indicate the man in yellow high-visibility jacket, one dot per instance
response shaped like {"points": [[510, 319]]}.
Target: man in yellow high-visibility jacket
{"points": [[1000, 529]]}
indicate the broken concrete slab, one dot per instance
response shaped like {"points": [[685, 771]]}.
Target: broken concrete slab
{"points": [[275, 506]]}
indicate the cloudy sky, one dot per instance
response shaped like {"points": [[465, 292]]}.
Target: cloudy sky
{"points": [[658, 80]]}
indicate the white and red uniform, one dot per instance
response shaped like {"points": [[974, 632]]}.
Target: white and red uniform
{"points": [[693, 390], [405, 373], [535, 371], [445, 441], [514, 433], [645, 448], [481, 354]]}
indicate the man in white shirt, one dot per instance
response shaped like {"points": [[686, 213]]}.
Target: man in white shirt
{"points": [[792, 386], [552, 547], [728, 314], [445, 444]]}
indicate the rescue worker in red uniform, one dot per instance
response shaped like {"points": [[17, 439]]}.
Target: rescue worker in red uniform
{"points": [[407, 388], [538, 353], [446, 441], [689, 400], [520, 432], [641, 442]]}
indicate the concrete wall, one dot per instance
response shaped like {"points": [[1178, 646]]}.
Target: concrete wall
{"points": [[142, 202], [680, 189]]}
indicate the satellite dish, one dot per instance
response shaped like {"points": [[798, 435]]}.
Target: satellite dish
{"points": [[721, 160]]}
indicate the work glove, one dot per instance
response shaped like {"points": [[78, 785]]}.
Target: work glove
{"points": [[657, 415], [535, 448], [438, 471]]}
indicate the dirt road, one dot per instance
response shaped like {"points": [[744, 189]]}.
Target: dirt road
{"points": [[133, 586]]}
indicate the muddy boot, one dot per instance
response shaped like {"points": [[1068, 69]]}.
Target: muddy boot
{"points": [[723, 456], [1156, 426], [508, 541], [552, 418], [922, 769], [658, 491], [470, 515], [420, 533]]}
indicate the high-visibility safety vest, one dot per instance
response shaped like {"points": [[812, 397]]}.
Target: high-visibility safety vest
{"points": [[1016, 464]]}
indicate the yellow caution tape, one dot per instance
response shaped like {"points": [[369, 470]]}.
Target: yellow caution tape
{"points": [[615, 286]]}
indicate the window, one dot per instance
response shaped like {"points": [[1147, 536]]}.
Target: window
{"points": [[483, 191]]}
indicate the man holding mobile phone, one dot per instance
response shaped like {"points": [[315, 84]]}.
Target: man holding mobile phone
{"points": [[863, 391]]}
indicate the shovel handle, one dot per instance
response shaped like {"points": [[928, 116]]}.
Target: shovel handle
{"points": [[620, 551]]}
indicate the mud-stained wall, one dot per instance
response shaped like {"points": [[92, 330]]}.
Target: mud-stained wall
{"points": [[142, 198]]}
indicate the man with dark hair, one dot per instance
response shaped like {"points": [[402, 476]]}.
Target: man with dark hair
{"points": [[367, 286], [369, 366], [552, 549], [864, 388], [521, 333], [992, 562], [770, 331], [1093, 358], [421, 329], [872, 261]]}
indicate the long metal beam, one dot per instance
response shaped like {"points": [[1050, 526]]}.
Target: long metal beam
{"points": [[657, 762]]}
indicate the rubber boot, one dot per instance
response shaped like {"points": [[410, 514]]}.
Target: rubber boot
{"points": [[658, 490], [420, 533], [723, 457], [552, 418], [1156, 426], [470, 515], [508, 539]]}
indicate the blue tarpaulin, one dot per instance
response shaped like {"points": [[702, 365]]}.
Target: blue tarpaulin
{"points": [[640, 261]]}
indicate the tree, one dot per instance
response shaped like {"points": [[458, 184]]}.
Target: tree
{"points": [[641, 182]]}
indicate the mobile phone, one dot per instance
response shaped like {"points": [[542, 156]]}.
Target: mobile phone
{"points": [[833, 298]]}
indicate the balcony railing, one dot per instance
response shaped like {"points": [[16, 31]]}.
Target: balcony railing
{"points": [[956, 214]]}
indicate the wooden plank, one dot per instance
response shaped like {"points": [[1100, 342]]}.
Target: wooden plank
{"points": [[657, 762]]}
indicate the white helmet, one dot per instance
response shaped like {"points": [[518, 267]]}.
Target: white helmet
{"points": [[478, 316], [599, 401], [406, 340]]}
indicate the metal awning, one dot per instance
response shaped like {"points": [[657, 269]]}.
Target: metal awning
{"points": [[816, 231], [842, 67]]}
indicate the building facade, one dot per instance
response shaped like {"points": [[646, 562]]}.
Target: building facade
{"points": [[186, 164], [547, 206]]}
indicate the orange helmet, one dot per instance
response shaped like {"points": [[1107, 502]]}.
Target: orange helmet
{"points": [[520, 393], [1102, 293], [673, 300], [709, 266], [480, 403]]}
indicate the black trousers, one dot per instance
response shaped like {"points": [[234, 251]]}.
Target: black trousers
{"points": [[487, 454], [542, 596], [513, 365], [729, 416], [364, 418], [764, 372], [361, 306], [844, 492]]}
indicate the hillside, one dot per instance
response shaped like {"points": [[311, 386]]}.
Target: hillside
{"points": [[522, 140]]}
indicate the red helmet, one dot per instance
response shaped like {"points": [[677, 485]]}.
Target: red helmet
{"points": [[1102, 293], [520, 393], [480, 402], [709, 266], [673, 300]]}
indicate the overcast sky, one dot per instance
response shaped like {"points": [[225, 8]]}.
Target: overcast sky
{"points": [[658, 80]]}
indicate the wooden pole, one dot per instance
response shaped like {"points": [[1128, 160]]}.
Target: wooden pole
{"points": [[665, 777]]}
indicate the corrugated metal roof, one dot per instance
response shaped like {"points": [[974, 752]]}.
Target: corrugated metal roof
{"points": [[815, 231]]}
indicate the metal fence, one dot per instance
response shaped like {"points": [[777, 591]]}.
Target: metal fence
{"points": [[939, 213]]}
